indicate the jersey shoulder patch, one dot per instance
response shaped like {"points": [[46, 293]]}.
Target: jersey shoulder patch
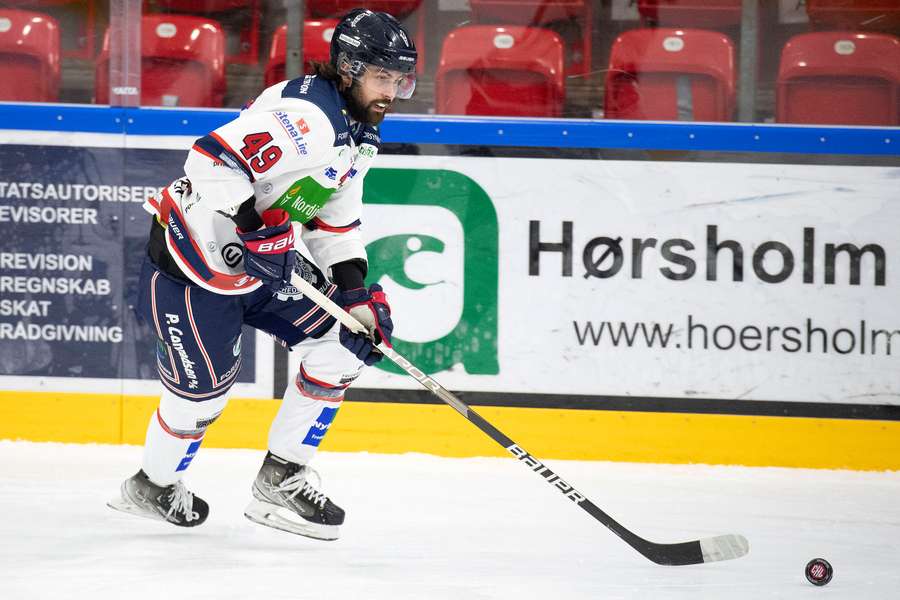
{"points": [[325, 95]]}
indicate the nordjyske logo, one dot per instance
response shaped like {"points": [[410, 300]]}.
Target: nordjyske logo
{"points": [[433, 246]]}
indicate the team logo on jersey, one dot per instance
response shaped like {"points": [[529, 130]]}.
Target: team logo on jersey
{"points": [[435, 243], [331, 173], [232, 254], [288, 293], [304, 269], [181, 186]]}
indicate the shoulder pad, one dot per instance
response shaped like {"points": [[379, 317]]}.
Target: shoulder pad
{"points": [[323, 94]]}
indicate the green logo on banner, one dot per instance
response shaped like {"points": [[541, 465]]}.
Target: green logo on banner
{"points": [[472, 342]]}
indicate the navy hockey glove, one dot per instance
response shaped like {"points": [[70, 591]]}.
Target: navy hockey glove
{"points": [[269, 252], [369, 307]]}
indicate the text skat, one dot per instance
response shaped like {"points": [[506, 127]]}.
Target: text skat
{"points": [[780, 266]]}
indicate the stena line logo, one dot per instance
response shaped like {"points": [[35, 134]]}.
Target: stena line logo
{"points": [[433, 244]]}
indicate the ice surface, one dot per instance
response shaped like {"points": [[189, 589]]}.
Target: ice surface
{"points": [[427, 528]]}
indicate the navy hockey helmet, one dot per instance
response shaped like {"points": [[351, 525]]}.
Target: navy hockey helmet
{"points": [[366, 38]]}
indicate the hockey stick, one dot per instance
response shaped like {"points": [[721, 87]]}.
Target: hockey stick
{"points": [[711, 549]]}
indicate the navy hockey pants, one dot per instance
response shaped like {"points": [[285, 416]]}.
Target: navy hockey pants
{"points": [[198, 349]]}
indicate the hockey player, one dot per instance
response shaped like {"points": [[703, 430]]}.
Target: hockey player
{"points": [[276, 191]]}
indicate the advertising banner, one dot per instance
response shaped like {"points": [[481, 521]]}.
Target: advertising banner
{"points": [[516, 275], [72, 238], [636, 278]]}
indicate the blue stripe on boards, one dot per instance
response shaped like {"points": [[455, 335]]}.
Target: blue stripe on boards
{"points": [[483, 131]]}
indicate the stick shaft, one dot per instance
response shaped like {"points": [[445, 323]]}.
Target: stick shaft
{"points": [[461, 407], [666, 554]]}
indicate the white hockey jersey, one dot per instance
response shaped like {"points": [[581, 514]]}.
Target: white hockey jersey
{"points": [[295, 148]]}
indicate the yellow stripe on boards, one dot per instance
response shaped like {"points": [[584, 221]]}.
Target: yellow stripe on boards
{"points": [[438, 429], [622, 436], [60, 417]]}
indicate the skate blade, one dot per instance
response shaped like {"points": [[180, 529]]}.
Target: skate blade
{"points": [[130, 508], [274, 516]]}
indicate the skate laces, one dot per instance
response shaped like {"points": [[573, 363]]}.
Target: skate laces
{"points": [[298, 484], [181, 501]]}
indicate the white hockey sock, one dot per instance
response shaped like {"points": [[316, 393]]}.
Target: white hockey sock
{"points": [[174, 434], [302, 421]]}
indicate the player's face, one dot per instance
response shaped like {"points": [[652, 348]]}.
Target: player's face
{"points": [[375, 90]]}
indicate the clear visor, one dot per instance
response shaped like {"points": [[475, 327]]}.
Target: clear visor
{"points": [[387, 81]]}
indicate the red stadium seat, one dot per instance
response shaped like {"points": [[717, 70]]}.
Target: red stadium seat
{"points": [[537, 13], [246, 13], [839, 78], [883, 15], [671, 75], [182, 62], [690, 13], [29, 56], [60, 10], [316, 47], [510, 71]]}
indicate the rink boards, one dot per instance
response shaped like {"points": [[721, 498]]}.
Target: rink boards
{"points": [[721, 311], [377, 427]]}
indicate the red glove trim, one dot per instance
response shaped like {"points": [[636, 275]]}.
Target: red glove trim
{"points": [[275, 217], [381, 298]]}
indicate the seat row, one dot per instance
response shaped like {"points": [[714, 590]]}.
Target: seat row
{"points": [[672, 74], [658, 73], [883, 15]]}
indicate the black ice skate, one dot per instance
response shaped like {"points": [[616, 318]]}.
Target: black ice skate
{"points": [[172, 503], [284, 499]]}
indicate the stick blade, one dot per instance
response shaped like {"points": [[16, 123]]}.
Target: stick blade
{"points": [[724, 547], [712, 549]]}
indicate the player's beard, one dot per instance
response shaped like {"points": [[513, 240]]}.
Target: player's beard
{"points": [[364, 113]]}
